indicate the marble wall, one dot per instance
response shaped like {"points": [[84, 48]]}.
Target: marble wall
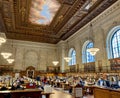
{"points": [[38, 55]]}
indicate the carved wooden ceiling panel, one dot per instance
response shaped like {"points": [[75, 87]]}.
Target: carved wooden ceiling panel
{"points": [[47, 21]]}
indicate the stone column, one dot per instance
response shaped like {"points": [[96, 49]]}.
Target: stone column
{"points": [[61, 52], [63, 61]]}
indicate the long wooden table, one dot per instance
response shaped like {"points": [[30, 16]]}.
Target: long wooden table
{"points": [[27, 93], [102, 92]]}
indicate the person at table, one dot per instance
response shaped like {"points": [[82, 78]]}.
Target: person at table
{"points": [[3, 87], [104, 82], [101, 82]]}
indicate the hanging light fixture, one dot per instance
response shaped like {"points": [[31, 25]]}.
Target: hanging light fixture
{"points": [[67, 59], [6, 54], [2, 38], [55, 62], [10, 60], [92, 50]]}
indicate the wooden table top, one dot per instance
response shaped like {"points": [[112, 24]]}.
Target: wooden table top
{"points": [[107, 88], [25, 90]]}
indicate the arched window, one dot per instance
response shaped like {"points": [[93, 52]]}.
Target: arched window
{"points": [[113, 43], [72, 54], [86, 56], [89, 57]]}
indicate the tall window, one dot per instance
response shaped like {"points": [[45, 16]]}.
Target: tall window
{"points": [[89, 57], [73, 57], [86, 56], [115, 43]]}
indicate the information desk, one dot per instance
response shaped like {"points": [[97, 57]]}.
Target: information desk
{"points": [[102, 92], [27, 93]]}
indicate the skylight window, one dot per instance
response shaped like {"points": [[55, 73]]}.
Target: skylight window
{"points": [[43, 11]]}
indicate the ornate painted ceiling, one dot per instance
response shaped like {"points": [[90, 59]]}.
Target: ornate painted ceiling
{"points": [[42, 12], [47, 21]]}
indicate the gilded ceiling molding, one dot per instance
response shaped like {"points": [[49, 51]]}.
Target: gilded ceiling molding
{"points": [[70, 17]]}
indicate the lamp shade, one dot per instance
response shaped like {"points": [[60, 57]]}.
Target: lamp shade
{"points": [[93, 51], [55, 62], [2, 38], [67, 59], [6, 54], [10, 60]]}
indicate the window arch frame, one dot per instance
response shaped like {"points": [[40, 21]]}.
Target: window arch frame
{"points": [[84, 51], [72, 61], [109, 41]]}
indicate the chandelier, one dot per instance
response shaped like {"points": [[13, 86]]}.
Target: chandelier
{"points": [[10, 60], [93, 51], [6, 54], [67, 59], [55, 62], [2, 38]]}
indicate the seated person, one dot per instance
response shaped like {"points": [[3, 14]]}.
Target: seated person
{"points": [[13, 87], [70, 90], [107, 83], [100, 82], [16, 86], [82, 83], [3, 88]]}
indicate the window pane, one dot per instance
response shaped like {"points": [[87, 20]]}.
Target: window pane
{"points": [[116, 44], [89, 57], [73, 56]]}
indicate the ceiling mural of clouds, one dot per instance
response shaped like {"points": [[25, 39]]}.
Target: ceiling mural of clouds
{"points": [[43, 11]]}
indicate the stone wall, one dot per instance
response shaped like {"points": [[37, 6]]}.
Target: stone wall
{"points": [[38, 55]]}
